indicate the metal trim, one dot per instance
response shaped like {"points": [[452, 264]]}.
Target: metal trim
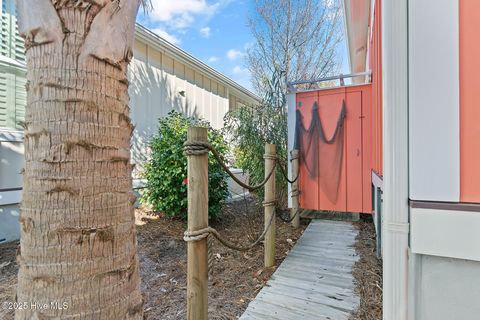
{"points": [[11, 189], [452, 206], [377, 181], [338, 77]]}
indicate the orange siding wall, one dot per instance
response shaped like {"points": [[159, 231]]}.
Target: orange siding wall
{"points": [[469, 101], [354, 193], [363, 149], [309, 187], [375, 58]]}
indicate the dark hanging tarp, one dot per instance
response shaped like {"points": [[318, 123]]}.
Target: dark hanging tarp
{"points": [[321, 156]]}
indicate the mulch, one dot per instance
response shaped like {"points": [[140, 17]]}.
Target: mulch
{"points": [[367, 273], [8, 276], [235, 278]]}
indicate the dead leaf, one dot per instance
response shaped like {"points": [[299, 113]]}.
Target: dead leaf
{"points": [[258, 273]]}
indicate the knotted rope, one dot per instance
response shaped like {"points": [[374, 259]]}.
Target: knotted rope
{"points": [[200, 234], [196, 148]]}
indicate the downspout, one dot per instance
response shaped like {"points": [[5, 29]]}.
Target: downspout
{"points": [[395, 147]]}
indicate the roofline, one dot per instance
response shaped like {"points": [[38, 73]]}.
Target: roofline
{"points": [[347, 37], [349, 23], [164, 46]]}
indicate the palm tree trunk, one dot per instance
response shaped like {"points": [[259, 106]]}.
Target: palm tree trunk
{"points": [[78, 241]]}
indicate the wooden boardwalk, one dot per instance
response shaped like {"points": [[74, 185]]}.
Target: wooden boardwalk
{"points": [[315, 280]]}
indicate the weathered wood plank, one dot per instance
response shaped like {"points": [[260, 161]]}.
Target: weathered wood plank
{"points": [[346, 293], [310, 309], [315, 280], [330, 299]]}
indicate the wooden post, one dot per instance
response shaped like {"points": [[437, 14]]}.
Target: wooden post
{"points": [[197, 252], [270, 159], [295, 172]]}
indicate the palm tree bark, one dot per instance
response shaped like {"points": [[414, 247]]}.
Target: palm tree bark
{"points": [[78, 240]]}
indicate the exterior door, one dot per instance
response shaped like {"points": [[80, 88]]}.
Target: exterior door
{"points": [[353, 185]]}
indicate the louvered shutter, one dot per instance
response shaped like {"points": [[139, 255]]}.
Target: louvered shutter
{"points": [[4, 109], [12, 79]]}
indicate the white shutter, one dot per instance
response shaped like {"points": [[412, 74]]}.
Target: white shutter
{"points": [[20, 99], [3, 99], [13, 98]]}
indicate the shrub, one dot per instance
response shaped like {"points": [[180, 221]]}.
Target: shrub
{"points": [[166, 171], [252, 127]]}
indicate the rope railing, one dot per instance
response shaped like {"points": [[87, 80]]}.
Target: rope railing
{"points": [[199, 255], [201, 147], [192, 148], [285, 175], [205, 232], [291, 218]]}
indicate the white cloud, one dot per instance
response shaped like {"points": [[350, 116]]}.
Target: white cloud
{"points": [[213, 59], [238, 70], [180, 14], [205, 32], [233, 54], [167, 36]]}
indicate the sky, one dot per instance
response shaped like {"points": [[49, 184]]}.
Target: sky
{"points": [[214, 31]]}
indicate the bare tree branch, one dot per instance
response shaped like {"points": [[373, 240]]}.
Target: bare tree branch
{"points": [[296, 39]]}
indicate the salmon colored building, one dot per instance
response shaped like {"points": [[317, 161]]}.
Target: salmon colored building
{"points": [[401, 141]]}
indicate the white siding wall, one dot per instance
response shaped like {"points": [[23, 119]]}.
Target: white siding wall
{"points": [[444, 288], [434, 100], [156, 80], [11, 164]]}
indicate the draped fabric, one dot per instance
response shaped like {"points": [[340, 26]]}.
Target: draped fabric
{"points": [[320, 155]]}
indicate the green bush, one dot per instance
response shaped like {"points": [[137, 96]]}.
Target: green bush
{"points": [[252, 127], [166, 171]]}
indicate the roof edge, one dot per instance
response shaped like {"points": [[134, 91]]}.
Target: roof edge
{"points": [[164, 46], [357, 17]]}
